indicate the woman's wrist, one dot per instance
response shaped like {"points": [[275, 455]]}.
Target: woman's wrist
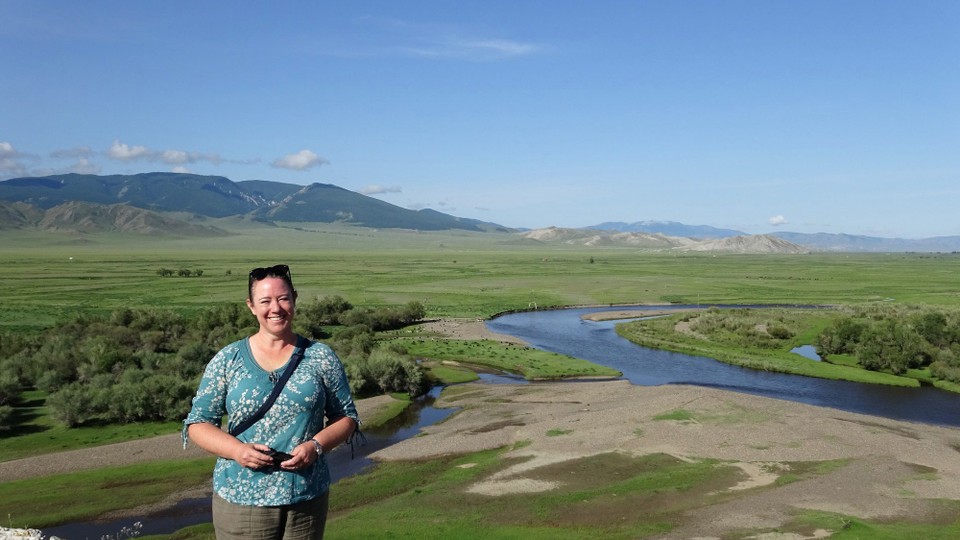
{"points": [[318, 446]]}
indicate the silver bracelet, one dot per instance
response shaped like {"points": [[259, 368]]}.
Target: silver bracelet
{"points": [[319, 447]]}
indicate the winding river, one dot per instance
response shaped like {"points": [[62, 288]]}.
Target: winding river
{"points": [[563, 331]]}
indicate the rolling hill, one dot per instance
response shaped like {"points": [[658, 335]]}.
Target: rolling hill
{"points": [[752, 244], [216, 196], [83, 217]]}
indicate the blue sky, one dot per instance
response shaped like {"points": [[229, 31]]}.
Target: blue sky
{"points": [[762, 116]]}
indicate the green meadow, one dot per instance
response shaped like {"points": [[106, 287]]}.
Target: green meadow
{"points": [[51, 276]]}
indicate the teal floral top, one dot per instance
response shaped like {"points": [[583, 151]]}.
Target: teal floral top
{"points": [[234, 384]]}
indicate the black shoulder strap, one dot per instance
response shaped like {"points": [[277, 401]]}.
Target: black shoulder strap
{"points": [[277, 388]]}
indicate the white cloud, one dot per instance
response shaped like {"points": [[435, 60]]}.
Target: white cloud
{"points": [[180, 169], [7, 150], [502, 47], [124, 152], [474, 49], [84, 166], [441, 206], [11, 168], [436, 40], [175, 157], [778, 220], [300, 161], [376, 189], [11, 161]]}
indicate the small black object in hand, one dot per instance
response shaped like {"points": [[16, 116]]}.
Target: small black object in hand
{"points": [[278, 456]]}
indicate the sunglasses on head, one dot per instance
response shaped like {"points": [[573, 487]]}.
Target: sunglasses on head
{"points": [[280, 271]]}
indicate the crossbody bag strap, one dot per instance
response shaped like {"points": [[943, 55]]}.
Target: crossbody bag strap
{"points": [[277, 388]]}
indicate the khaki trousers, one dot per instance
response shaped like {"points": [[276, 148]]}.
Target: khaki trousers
{"points": [[302, 521]]}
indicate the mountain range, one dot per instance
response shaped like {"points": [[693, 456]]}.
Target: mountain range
{"points": [[216, 196], [176, 203], [837, 242]]}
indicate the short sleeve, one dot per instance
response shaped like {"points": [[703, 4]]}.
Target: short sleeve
{"points": [[339, 401], [209, 403]]}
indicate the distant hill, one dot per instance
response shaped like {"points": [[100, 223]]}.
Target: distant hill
{"points": [[757, 243], [669, 228], [216, 196], [660, 242], [18, 215], [811, 241], [853, 243], [83, 217], [590, 237]]}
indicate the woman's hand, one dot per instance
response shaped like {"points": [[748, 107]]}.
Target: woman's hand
{"points": [[253, 456], [304, 455]]}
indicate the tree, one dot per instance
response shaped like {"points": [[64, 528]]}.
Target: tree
{"points": [[891, 345], [933, 328], [841, 337]]}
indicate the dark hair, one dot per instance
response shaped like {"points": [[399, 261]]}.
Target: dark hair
{"points": [[281, 271]]}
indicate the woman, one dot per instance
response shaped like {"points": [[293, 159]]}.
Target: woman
{"points": [[256, 495]]}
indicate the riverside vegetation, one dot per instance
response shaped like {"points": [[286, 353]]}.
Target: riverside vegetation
{"points": [[61, 287], [879, 343]]}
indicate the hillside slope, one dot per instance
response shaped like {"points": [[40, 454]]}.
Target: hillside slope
{"points": [[216, 196], [755, 244], [91, 218]]}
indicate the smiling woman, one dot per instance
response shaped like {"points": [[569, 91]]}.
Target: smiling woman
{"points": [[272, 476]]}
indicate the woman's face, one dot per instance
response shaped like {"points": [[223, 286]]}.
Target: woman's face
{"points": [[273, 303]]}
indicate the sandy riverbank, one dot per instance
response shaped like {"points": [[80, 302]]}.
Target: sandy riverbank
{"points": [[891, 470]]}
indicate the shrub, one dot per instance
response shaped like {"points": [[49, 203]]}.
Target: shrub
{"points": [[384, 370], [392, 372], [779, 332], [74, 404]]}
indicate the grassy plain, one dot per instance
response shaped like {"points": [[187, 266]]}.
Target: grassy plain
{"points": [[50, 276]]}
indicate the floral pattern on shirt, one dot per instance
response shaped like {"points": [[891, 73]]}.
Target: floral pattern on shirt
{"points": [[233, 384]]}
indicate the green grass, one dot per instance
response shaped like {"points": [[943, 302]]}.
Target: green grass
{"points": [[678, 415], [852, 528], [610, 495], [452, 274], [533, 364], [388, 411], [64, 498], [449, 374]]}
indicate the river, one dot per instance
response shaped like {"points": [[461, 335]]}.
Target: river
{"points": [[564, 331]]}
